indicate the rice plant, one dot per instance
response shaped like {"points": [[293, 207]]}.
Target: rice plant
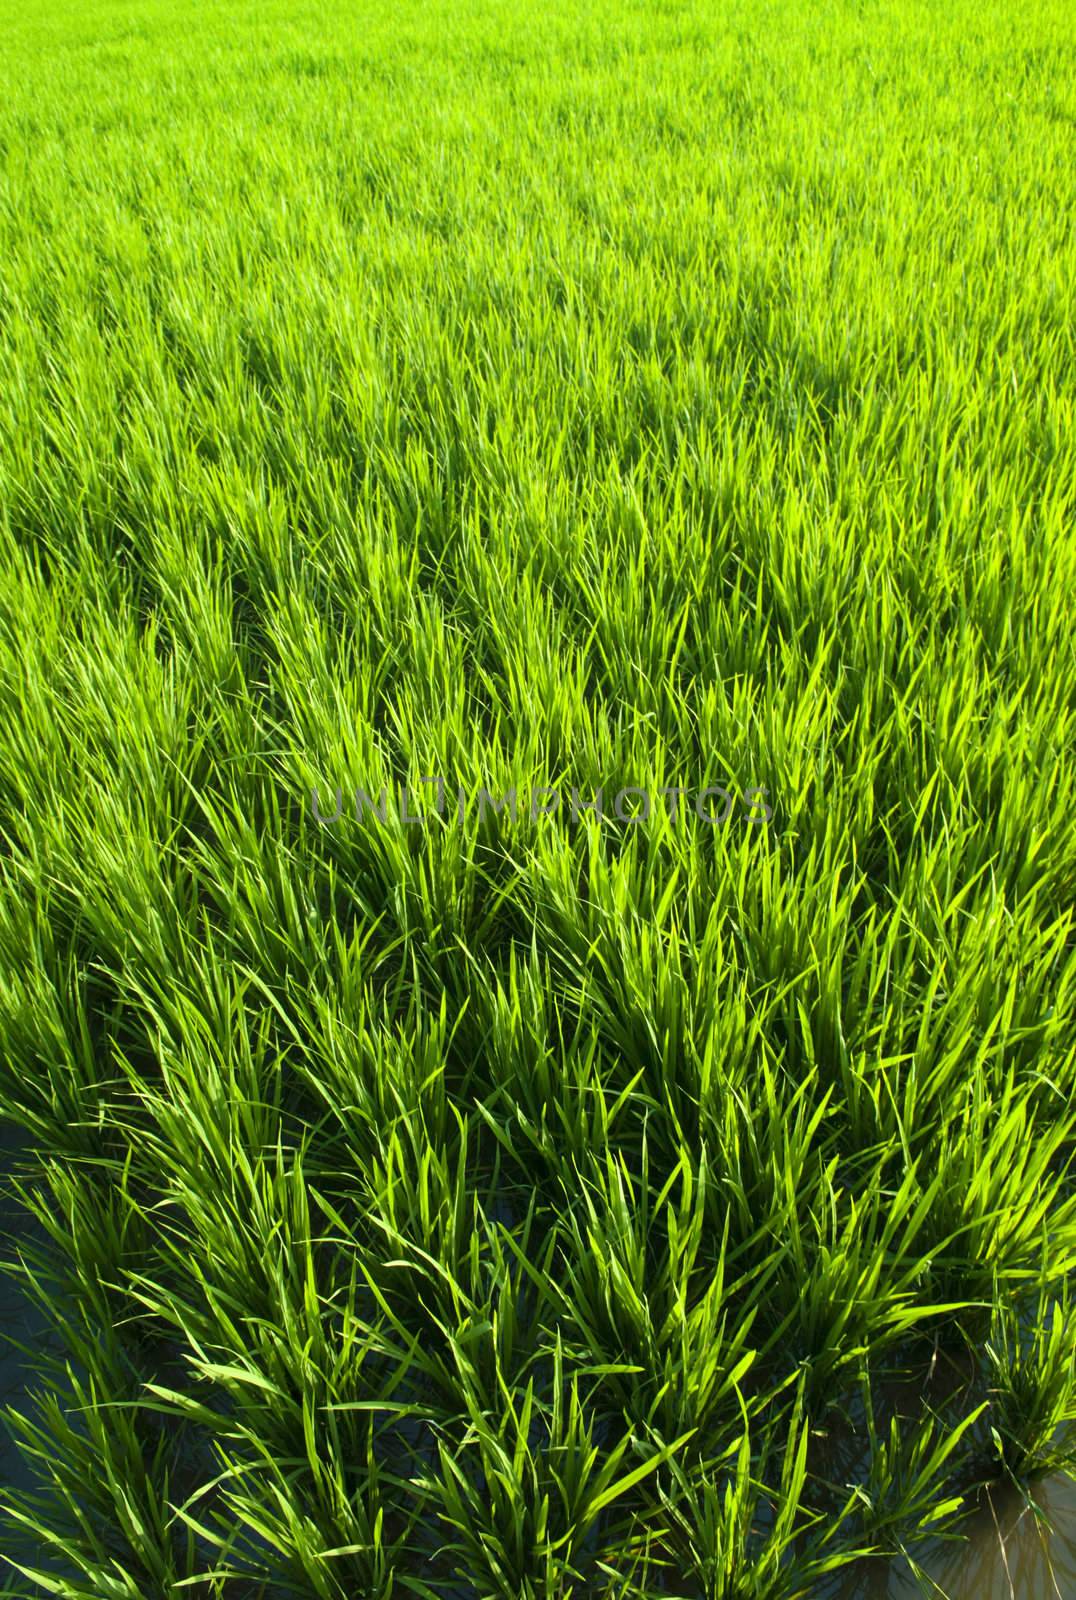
{"points": [[537, 799]]}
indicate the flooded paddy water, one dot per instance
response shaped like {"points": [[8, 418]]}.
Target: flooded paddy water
{"points": [[1018, 1547]]}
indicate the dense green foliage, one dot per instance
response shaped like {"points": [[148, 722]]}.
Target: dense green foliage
{"points": [[566, 395]]}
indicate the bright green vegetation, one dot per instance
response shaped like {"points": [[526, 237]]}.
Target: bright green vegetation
{"points": [[566, 395]]}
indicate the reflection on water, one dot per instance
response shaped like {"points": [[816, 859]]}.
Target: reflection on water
{"points": [[1015, 1545], [1019, 1547]]}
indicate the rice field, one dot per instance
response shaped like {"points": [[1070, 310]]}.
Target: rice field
{"points": [[537, 800]]}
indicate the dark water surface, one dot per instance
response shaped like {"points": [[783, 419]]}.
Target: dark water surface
{"points": [[1019, 1547], [21, 1323]]}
